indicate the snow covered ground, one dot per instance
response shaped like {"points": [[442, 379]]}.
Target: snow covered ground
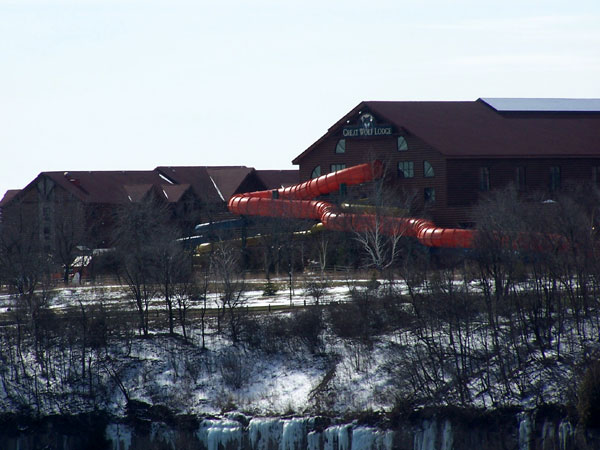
{"points": [[118, 295], [346, 374]]}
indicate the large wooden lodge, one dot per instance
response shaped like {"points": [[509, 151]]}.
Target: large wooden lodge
{"points": [[191, 195], [450, 154]]}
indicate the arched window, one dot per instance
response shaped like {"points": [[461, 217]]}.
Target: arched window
{"points": [[484, 179], [402, 144], [554, 178], [406, 169], [316, 172], [428, 170], [340, 147], [429, 195]]}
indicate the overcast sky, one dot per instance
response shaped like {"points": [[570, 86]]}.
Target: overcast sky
{"points": [[134, 84]]}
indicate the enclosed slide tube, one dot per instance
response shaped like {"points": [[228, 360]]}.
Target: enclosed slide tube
{"points": [[296, 202]]}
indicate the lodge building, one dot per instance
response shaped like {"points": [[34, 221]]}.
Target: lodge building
{"points": [[91, 200], [450, 154], [446, 156]]}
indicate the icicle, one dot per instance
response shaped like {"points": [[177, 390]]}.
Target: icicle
{"points": [[525, 429], [293, 435], [363, 439], [330, 438], [565, 435], [366, 438], [119, 435], [215, 433], [388, 440], [265, 434], [447, 436], [344, 437], [337, 437], [548, 434], [425, 438], [161, 432], [313, 441]]}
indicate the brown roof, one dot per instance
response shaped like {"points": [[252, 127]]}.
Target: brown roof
{"points": [[8, 196], [195, 176], [137, 192], [105, 186], [113, 187], [212, 184], [275, 179], [475, 129], [173, 193], [209, 183], [228, 179]]}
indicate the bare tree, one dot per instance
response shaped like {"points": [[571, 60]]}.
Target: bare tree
{"points": [[226, 270], [317, 288], [140, 226], [500, 220], [191, 289], [24, 264], [202, 296], [172, 269], [25, 267], [69, 234], [322, 247], [379, 231]]}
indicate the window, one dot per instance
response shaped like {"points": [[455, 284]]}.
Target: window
{"points": [[596, 175], [316, 172], [406, 169], [554, 178], [340, 147], [336, 167], [429, 195], [402, 144], [520, 178], [484, 179], [428, 170]]}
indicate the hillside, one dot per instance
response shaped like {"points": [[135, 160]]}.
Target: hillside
{"points": [[367, 346]]}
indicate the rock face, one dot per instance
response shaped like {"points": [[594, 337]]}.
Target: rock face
{"points": [[490, 431]]}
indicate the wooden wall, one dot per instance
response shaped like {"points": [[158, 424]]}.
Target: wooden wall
{"points": [[385, 149], [456, 181]]}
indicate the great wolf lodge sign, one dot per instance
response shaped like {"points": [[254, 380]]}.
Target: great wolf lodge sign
{"points": [[367, 127]]}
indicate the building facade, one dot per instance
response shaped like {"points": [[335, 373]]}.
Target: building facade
{"points": [[82, 206], [446, 156]]}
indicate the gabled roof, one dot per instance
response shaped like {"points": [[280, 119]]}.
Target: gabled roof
{"points": [[211, 183], [8, 196], [111, 187], [173, 193], [105, 186], [477, 129], [228, 179], [167, 192], [137, 192], [275, 179], [195, 176]]}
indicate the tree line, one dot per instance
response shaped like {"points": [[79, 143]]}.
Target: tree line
{"points": [[467, 326]]}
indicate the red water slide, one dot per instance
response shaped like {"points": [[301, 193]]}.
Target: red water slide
{"points": [[297, 202]]}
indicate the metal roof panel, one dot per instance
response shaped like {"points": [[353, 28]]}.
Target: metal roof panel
{"points": [[544, 104]]}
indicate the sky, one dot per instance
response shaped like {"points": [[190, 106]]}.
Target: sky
{"points": [[136, 84]]}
